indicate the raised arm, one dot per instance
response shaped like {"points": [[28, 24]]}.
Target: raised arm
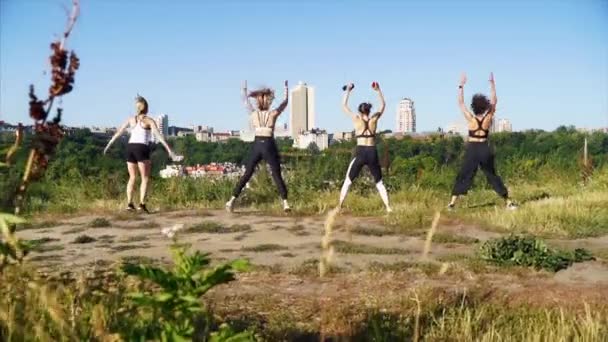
{"points": [[493, 98], [380, 111], [463, 80], [160, 138], [118, 133], [345, 108], [277, 111], [245, 98]]}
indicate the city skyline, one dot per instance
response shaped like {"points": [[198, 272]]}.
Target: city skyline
{"points": [[542, 52]]}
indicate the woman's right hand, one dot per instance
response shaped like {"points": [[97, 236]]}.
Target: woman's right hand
{"points": [[463, 79], [174, 157], [105, 150], [350, 86]]}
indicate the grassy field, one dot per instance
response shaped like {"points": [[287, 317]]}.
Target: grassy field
{"points": [[96, 273]]}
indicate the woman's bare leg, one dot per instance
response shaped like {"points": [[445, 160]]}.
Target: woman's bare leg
{"points": [[132, 167], [144, 173]]}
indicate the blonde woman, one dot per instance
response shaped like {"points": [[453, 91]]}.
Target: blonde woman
{"points": [[264, 146], [141, 129]]}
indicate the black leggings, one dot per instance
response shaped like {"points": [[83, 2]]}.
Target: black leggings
{"points": [[476, 155], [263, 148], [365, 155]]}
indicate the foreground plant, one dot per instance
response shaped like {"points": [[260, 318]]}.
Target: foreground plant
{"points": [[172, 310], [530, 251], [47, 134]]}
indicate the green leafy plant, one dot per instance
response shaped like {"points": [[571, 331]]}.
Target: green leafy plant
{"points": [[172, 310], [530, 251]]}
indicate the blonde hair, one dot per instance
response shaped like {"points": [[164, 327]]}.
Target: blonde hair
{"points": [[142, 100], [260, 94]]}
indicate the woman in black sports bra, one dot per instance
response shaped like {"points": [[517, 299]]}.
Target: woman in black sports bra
{"points": [[366, 153], [478, 153]]}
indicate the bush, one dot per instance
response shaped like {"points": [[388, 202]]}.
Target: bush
{"points": [[530, 251]]}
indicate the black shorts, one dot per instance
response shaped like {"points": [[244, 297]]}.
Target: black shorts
{"points": [[138, 153]]}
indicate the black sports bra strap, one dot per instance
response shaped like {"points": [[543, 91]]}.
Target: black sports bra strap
{"points": [[369, 133], [479, 128]]}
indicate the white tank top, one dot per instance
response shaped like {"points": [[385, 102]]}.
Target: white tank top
{"points": [[140, 135], [263, 123]]}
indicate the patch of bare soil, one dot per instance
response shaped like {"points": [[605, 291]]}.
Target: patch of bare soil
{"points": [[373, 266]]}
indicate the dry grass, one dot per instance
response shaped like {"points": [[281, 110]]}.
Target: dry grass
{"points": [[578, 214], [213, 227], [265, 247]]}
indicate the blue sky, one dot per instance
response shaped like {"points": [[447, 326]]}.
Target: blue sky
{"points": [[188, 58]]}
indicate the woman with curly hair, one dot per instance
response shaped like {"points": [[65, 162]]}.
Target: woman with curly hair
{"points": [[264, 146], [142, 127], [478, 153]]}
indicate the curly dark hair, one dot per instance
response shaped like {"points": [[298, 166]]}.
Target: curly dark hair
{"points": [[365, 108], [480, 104]]}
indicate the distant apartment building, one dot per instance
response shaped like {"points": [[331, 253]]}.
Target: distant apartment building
{"points": [[202, 128], [302, 109], [162, 121], [182, 134], [342, 136], [315, 136], [222, 137], [173, 131], [504, 125], [406, 116], [456, 128], [282, 131]]}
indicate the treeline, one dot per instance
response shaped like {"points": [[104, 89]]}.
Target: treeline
{"points": [[432, 161]]}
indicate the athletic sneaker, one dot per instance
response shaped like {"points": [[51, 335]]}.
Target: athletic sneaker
{"points": [[512, 206], [389, 210], [130, 207], [286, 207], [451, 207], [230, 206], [142, 207]]}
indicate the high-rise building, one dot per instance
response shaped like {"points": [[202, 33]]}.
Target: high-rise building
{"points": [[302, 108], [406, 116], [504, 125], [163, 124]]}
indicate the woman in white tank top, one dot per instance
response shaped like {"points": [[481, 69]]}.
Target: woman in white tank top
{"points": [[142, 127]]}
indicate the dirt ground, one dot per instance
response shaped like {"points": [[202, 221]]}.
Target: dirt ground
{"points": [[372, 264]]}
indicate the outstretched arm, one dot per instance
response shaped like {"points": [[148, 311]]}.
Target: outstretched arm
{"points": [[116, 135], [345, 107], [463, 80], [245, 98], [493, 98], [380, 111], [160, 138], [283, 105]]}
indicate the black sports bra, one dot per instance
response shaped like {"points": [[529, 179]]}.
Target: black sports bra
{"points": [[478, 129], [369, 133]]}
